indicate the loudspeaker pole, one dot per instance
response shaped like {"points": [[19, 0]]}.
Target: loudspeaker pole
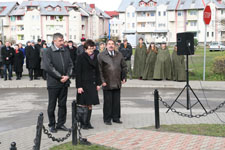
{"points": [[187, 83], [204, 53]]}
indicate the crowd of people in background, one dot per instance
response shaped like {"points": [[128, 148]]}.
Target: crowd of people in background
{"points": [[149, 62]]}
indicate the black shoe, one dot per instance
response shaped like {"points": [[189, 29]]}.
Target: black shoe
{"points": [[10, 79], [89, 120], [117, 121], [31, 79], [85, 127], [52, 129], [5, 79], [108, 123], [36, 78], [63, 128]]}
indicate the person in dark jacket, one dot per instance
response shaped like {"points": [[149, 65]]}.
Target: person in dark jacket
{"points": [[113, 70], [7, 60], [126, 50], [1, 65], [26, 50], [59, 66], [73, 55], [18, 62], [33, 56], [80, 48], [38, 47], [43, 50], [88, 80]]}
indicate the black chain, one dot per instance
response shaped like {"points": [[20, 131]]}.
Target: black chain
{"points": [[50, 136], [192, 116]]}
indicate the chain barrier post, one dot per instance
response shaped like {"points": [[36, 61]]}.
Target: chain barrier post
{"points": [[37, 140], [13, 146], [74, 123], [156, 103]]}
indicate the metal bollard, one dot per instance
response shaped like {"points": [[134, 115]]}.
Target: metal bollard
{"points": [[37, 140], [156, 103], [74, 123], [13, 146]]}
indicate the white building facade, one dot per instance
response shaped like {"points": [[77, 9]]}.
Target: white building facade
{"points": [[161, 20]]}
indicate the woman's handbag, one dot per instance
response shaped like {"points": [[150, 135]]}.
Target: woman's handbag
{"points": [[82, 113]]}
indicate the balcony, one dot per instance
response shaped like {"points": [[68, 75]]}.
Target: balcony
{"points": [[146, 19], [145, 29]]}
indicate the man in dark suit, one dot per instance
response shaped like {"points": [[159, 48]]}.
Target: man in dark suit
{"points": [[7, 53], [59, 66], [113, 70]]}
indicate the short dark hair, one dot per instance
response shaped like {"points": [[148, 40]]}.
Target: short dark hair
{"points": [[110, 40], [89, 43], [57, 35], [39, 40], [70, 41], [141, 39], [1, 42], [119, 41]]}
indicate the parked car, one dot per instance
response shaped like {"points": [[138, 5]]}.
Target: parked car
{"points": [[215, 46]]}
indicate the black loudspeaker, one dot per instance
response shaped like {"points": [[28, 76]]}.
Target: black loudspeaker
{"points": [[185, 43]]}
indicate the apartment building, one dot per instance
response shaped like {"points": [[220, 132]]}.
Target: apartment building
{"points": [[115, 23], [161, 20], [5, 10], [39, 19], [95, 21]]}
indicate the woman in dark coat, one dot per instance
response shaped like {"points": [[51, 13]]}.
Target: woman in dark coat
{"points": [[18, 62], [88, 80]]}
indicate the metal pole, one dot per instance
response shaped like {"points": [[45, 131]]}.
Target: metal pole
{"points": [[156, 103], [74, 123], [204, 53], [109, 30], [13, 146], [37, 140], [187, 86]]}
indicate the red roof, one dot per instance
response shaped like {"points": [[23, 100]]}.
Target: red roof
{"points": [[112, 13]]}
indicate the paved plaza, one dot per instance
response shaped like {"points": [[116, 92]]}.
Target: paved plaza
{"points": [[18, 119]]}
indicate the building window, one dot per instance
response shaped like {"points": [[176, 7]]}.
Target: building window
{"points": [[180, 13], [133, 14], [74, 37], [19, 17], [133, 25], [207, 34], [142, 14], [49, 8], [52, 17], [142, 25], [164, 13], [57, 9], [193, 12], [33, 17], [128, 25], [13, 18], [222, 12], [152, 14], [20, 37], [128, 15], [70, 36], [162, 25], [159, 13], [212, 34], [193, 23]]}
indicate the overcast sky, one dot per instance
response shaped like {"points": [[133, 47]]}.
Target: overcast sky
{"points": [[106, 5]]}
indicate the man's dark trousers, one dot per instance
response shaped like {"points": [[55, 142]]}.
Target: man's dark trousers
{"points": [[59, 94], [111, 108]]}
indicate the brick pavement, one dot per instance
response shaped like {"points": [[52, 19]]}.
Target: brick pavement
{"points": [[134, 139]]}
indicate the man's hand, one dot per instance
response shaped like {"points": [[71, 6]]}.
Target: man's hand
{"points": [[124, 81], [64, 79], [98, 88], [104, 84], [80, 90]]}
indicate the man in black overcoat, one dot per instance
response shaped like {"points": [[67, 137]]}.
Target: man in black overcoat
{"points": [[73, 55], [59, 66], [33, 57]]}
